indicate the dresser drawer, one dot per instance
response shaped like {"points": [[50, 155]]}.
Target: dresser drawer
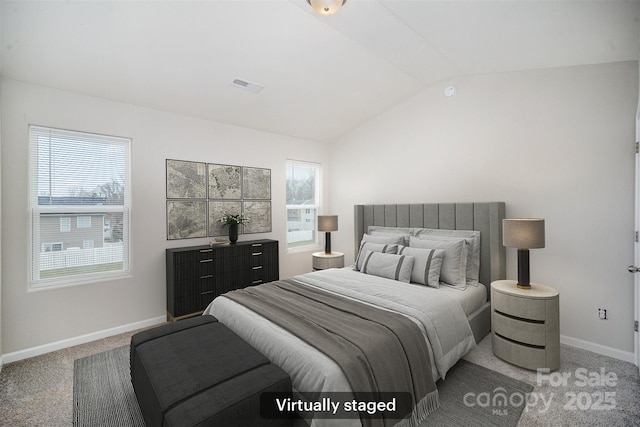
{"points": [[257, 275], [521, 355], [527, 308], [533, 333], [207, 283], [257, 259], [204, 254]]}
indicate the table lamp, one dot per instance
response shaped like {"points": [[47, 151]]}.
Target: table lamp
{"points": [[327, 223], [523, 234]]}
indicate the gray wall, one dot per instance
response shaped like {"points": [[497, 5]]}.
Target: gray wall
{"points": [[43, 317], [556, 144]]}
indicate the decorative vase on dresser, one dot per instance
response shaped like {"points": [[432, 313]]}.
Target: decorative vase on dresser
{"points": [[526, 324], [233, 233]]}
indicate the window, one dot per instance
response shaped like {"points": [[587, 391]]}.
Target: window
{"points": [[78, 179], [50, 247], [84, 222], [303, 202]]}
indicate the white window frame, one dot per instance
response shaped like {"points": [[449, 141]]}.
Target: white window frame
{"points": [[83, 221], [292, 247], [51, 247], [36, 282], [65, 224]]}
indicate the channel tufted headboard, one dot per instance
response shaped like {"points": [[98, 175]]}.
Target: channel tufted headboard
{"points": [[485, 217]]}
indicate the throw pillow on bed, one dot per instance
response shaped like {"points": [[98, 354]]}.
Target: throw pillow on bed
{"points": [[454, 262], [472, 239], [385, 244], [426, 265], [390, 266]]}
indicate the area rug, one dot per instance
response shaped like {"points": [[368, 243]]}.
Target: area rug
{"points": [[470, 396], [102, 391]]}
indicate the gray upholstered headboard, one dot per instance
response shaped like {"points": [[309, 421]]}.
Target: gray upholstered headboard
{"points": [[484, 217]]}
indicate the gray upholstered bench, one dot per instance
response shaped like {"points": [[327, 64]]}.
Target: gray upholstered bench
{"points": [[197, 372]]}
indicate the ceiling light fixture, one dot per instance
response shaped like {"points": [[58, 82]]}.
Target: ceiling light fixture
{"points": [[326, 7]]}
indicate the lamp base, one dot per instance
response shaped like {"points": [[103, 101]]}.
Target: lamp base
{"points": [[327, 243], [523, 269]]}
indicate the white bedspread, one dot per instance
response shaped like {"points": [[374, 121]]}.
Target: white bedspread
{"points": [[439, 316]]}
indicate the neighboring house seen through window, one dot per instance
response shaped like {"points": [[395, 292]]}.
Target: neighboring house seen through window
{"points": [[303, 203], [80, 203]]}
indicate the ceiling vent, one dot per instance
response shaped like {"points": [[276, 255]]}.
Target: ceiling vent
{"points": [[252, 87]]}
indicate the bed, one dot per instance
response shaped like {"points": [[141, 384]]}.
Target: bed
{"points": [[450, 318]]}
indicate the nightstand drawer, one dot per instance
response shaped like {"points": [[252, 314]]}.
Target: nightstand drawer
{"points": [[527, 308], [519, 330], [527, 357]]}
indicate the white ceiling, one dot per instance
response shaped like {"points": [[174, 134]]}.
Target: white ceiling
{"points": [[322, 76]]}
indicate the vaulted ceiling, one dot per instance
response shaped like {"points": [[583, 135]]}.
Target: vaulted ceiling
{"points": [[321, 76]]}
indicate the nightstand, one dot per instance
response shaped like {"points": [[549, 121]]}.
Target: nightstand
{"points": [[526, 324], [322, 261]]}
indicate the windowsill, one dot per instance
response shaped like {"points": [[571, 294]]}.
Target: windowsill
{"points": [[302, 249], [79, 281]]}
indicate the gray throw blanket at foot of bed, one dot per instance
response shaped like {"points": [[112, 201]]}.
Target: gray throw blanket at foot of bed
{"points": [[378, 350]]}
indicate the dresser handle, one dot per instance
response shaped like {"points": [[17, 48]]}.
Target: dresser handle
{"points": [[202, 251], [206, 260], [208, 276], [256, 268], [256, 253], [206, 293]]}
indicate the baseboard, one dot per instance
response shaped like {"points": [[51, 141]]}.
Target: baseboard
{"points": [[598, 348], [70, 342]]}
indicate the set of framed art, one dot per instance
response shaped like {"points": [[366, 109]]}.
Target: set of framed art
{"points": [[199, 194]]}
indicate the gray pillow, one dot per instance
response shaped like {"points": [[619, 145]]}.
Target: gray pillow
{"points": [[391, 239], [375, 230], [390, 266], [473, 248], [426, 265], [454, 262], [374, 247]]}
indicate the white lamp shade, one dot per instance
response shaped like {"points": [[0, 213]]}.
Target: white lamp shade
{"points": [[523, 233], [327, 223], [326, 7]]}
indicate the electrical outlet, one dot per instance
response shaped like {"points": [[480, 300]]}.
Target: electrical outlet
{"points": [[602, 313]]}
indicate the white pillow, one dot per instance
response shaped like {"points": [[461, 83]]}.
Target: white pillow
{"points": [[390, 266], [426, 265], [472, 238], [454, 263], [374, 247]]}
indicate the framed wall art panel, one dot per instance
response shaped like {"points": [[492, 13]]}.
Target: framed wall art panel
{"points": [[186, 219], [256, 183], [186, 180], [258, 215]]}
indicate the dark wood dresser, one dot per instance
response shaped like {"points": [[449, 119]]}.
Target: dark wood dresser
{"points": [[198, 274]]}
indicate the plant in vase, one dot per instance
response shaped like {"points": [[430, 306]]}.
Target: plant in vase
{"points": [[233, 221]]}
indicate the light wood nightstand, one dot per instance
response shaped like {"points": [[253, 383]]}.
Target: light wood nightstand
{"points": [[322, 261], [526, 324]]}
